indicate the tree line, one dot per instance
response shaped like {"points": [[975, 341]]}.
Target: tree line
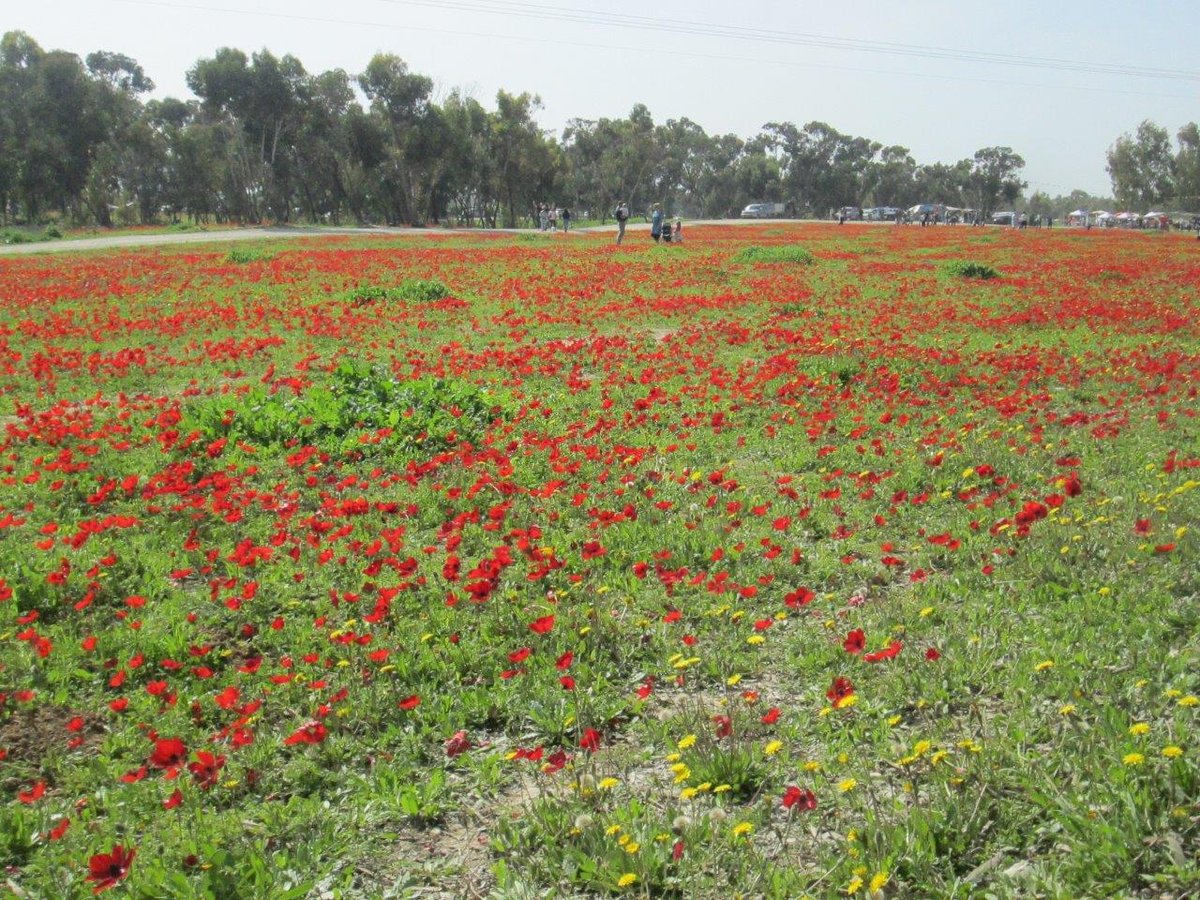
{"points": [[1146, 172], [263, 139]]}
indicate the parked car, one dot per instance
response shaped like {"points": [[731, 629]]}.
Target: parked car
{"points": [[850, 213], [762, 210]]}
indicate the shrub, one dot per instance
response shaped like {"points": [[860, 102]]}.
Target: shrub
{"points": [[242, 255], [965, 268], [14, 236], [784, 254], [426, 415], [51, 233], [413, 290]]}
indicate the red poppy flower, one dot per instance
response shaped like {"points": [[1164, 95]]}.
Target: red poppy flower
{"points": [[206, 770], [542, 625], [590, 740], [458, 744], [168, 753], [1142, 527], [34, 794], [411, 702], [106, 869], [889, 652], [839, 690], [174, 800], [312, 733], [724, 726], [855, 641], [932, 654], [797, 798], [772, 716]]}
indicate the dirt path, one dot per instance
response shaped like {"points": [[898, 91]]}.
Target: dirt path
{"points": [[118, 241]]}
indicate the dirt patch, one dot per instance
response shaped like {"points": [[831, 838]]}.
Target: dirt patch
{"points": [[29, 735]]}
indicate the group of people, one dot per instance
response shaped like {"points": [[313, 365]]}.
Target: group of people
{"points": [[660, 229], [547, 217]]}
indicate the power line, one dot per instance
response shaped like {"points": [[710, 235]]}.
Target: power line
{"points": [[758, 61], [740, 32]]}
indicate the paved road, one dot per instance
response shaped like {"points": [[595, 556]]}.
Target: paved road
{"points": [[118, 241]]}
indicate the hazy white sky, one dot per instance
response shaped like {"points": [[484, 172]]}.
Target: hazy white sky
{"points": [[1059, 117]]}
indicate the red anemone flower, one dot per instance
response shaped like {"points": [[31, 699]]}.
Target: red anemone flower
{"points": [[106, 869], [168, 753], [855, 641]]}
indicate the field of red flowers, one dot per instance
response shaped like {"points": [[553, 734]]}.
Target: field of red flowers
{"points": [[794, 560]]}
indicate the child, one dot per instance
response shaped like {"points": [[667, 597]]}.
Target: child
{"points": [[677, 237]]}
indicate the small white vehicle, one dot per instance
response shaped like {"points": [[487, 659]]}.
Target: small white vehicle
{"points": [[763, 210]]}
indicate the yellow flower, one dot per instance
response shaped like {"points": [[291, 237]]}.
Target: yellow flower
{"points": [[1172, 693], [920, 748], [632, 847], [733, 680], [686, 741], [742, 828], [1189, 700], [854, 886], [626, 880], [812, 766], [894, 721], [1139, 728], [1172, 752], [772, 748], [608, 784], [1044, 665], [847, 784], [1133, 759], [722, 788], [848, 701], [1066, 710], [755, 639], [927, 611], [612, 829], [687, 793], [878, 882]]}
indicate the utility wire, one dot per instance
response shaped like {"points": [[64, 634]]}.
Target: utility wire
{"points": [[758, 61], [740, 32]]}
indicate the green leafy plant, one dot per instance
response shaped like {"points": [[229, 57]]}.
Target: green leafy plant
{"points": [[780, 254], [965, 268]]}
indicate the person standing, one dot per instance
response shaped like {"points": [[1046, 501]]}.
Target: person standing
{"points": [[656, 223], [566, 217], [677, 238], [622, 216], [552, 218]]}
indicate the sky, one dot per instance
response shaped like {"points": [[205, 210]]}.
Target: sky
{"points": [[1072, 81]]}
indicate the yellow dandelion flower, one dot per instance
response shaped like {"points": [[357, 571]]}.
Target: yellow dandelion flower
{"points": [[893, 721], [1133, 759], [938, 757], [722, 788], [742, 828], [1172, 752], [626, 880], [1137, 729], [632, 847], [926, 612], [733, 680], [847, 784], [687, 793], [812, 766], [854, 886], [1044, 665], [755, 639], [686, 741], [607, 784], [773, 747], [1189, 700], [920, 748], [1172, 693], [612, 829], [1066, 709], [879, 882]]}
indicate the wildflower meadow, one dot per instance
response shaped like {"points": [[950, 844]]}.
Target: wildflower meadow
{"points": [[793, 560]]}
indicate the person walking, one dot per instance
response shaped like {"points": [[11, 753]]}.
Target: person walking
{"points": [[621, 213], [566, 217], [552, 218], [656, 223]]}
